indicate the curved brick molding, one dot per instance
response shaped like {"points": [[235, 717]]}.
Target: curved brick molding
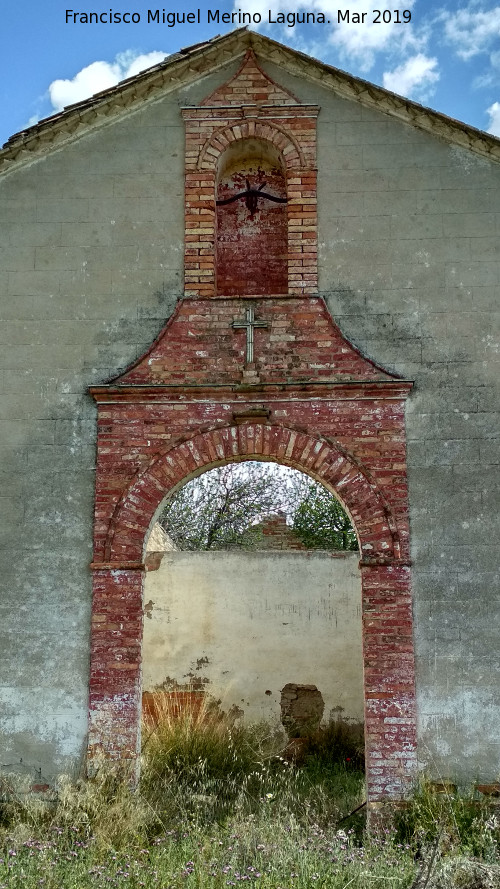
{"points": [[208, 159], [375, 525]]}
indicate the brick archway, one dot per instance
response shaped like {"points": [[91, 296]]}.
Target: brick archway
{"points": [[326, 462], [296, 392], [293, 157], [117, 617]]}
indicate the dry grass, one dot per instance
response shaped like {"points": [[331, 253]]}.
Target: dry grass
{"points": [[218, 806]]}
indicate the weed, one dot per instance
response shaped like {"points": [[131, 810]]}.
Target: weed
{"points": [[459, 821], [217, 806]]}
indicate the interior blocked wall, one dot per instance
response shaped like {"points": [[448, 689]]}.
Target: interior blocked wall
{"points": [[252, 244], [241, 625], [90, 267]]}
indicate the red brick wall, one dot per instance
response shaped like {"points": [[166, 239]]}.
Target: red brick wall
{"points": [[276, 534], [270, 114], [252, 248], [374, 493]]}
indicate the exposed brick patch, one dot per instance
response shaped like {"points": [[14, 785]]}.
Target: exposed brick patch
{"points": [[170, 705], [276, 534], [153, 561], [302, 708], [249, 84]]}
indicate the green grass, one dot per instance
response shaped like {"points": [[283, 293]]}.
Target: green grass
{"points": [[218, 806]]}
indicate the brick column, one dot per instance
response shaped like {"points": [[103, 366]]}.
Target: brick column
{"points": [[115, 662], [302, 232], [390, 710], [199, 261]]}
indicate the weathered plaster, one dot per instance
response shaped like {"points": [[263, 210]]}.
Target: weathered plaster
{"points": [[256, 621]]}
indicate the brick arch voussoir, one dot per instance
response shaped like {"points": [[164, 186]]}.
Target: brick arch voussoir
{"points": [[217, 143], [314, 455]]}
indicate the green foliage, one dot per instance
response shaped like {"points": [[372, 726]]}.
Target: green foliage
{"points": [[284, 827], [204, 768], [195, 765], [338, 743], [217, 806], [322, 523], [103, 809], [453, 820], [222, 509]]}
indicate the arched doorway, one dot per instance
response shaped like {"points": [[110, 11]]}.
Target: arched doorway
{"points": [[115, 695], [296, 392], [252, 584]]}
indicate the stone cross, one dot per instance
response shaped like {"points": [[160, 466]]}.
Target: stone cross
{"points": [[249, 324]]}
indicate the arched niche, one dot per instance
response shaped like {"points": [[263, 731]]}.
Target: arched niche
{"points": [[251, 220]]}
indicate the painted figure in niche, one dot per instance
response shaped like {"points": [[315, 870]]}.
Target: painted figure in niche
{"points": [[251, 221]]}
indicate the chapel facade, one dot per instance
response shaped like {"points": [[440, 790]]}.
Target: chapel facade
{"points": [[245, 254]]}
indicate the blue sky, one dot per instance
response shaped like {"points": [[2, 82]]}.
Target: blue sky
{"points": [[447, 56]]}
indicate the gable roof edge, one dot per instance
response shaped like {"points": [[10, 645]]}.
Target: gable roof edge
{"points": [[375, 97], [74, 121], [77, 120]]}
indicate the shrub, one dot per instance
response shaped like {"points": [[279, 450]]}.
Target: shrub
{"points": [[198, 763], [339, 743], [455, 821]]}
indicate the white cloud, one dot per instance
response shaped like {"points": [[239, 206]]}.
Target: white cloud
{"points": [[473, 28], [494, 125], [100, 76], [414, 77], [366, 39], [357, 41]]}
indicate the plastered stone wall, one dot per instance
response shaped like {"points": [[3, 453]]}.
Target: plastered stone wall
{"points": [[409, 238], [90, 267], [241, 625]]}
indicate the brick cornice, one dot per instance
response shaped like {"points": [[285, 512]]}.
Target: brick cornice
{"points": [[118, 565], [377, 98], [356, 389]]}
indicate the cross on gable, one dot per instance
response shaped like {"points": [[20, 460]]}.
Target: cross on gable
{"points": [[249, 324]]}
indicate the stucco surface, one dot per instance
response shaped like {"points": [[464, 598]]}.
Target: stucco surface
{"points": [[91, 266], [244, 624], [409, 238]]}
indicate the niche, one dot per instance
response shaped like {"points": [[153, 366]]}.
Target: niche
{"points": [[251, 215]]}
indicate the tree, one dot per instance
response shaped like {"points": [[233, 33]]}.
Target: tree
{"points": [[216, 510], [321, 522]]}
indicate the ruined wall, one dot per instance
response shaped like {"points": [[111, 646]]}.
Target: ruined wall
{"points": [[90, 266], [241, 625]]}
